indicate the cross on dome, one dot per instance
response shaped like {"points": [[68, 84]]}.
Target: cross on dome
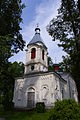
{"points": [[38, 25]]}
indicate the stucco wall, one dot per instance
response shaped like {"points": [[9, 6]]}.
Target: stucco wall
{"points": [[47, 89], [40, 64]]}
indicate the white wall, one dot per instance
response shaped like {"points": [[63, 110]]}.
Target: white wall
{"points": [[38, 62], [45, 89]]}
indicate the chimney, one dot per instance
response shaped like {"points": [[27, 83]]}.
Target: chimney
{"points": [[56, 67]]}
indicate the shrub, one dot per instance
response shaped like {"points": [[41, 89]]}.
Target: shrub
{"points": [[65, 110], [40, 107]]}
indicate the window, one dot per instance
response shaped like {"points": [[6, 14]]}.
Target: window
{"points": [[43, 54], [73, 94], [33, 53], [62, 93], [45, 91], [19, 94], [32, 67]]}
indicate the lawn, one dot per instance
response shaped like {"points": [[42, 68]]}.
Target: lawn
{"points": [[24, 115]]}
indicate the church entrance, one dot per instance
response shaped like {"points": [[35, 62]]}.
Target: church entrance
{"points": [[30, 98]]}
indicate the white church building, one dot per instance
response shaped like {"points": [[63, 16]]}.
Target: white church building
{"points": [[38, 84]]}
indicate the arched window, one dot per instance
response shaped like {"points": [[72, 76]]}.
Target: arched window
{"points": [[19, 94], [33, 53], [31, 89], [62, 91], [43, 54]]}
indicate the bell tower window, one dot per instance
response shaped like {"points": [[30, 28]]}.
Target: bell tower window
{"points": [[33, 53], [32, 67], [43, 54]]}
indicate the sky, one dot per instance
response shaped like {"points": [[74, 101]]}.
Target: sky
{"points": [[41, 12]]}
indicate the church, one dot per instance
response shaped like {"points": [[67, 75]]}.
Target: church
{"points": [[38, 84]]}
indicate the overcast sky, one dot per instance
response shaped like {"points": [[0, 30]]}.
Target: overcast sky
{"points": [[39, 11]]}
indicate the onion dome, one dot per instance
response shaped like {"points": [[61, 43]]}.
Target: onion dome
{"points": [[37, 38]]}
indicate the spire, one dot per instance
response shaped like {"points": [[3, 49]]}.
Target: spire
{"points": [[37, 29], [37, 37]]}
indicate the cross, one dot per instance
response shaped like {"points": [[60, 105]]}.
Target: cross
{"points": [[37, 24]]}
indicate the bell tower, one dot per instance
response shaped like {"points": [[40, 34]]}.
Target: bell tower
{"points": [[36, 54]]}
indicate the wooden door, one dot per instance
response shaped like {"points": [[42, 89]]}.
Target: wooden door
{"points": [[31, 99]]}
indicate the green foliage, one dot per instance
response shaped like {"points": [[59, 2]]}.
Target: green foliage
{"points": [[7, 78], [11, 42], [65, 110], [50, 64], [40, 107], [66, 28], [10, 19], [65, 65], [5, 50], [18, 69], [24, 115]]}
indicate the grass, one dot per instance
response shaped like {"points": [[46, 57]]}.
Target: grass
{"points": [[24, 115]]}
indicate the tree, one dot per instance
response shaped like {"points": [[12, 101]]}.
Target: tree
{"points": [[65, 65], [11, 41], [12, 71], [18, 69], [65, 110], [10, 19], [50, 64], [66, 28]]}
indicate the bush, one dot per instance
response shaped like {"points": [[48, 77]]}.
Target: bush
{"points": [[7, 103], [65, 110], [40, 107]]}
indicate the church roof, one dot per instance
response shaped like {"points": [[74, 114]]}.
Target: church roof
{"points": [[37, 38], [46, 72]]}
